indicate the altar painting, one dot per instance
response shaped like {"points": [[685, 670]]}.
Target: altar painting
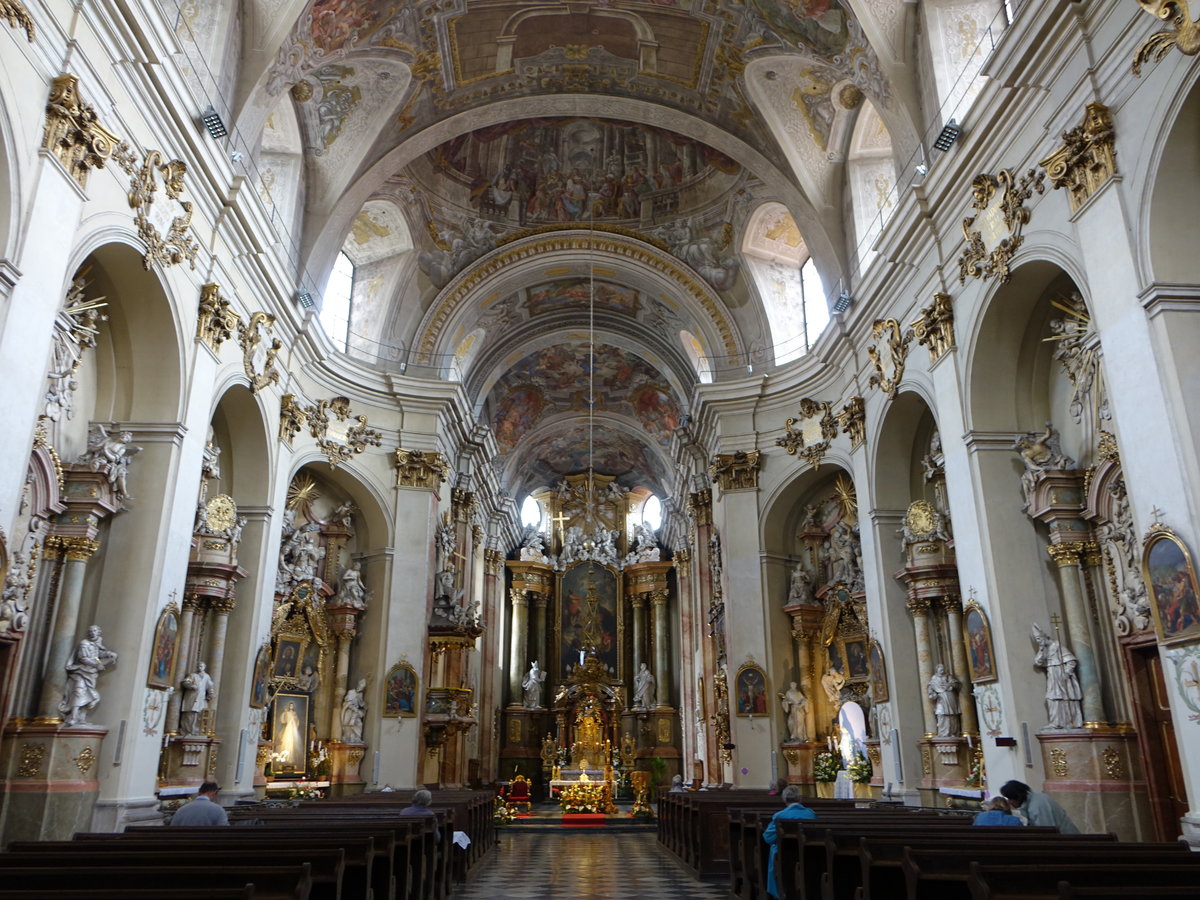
{"points": [[751, 691], [289, 730], [400, 692], [262, 675], [1171, 580], [166, 643], [588, 615]]}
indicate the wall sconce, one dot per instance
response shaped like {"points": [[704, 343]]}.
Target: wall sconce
{"points": [[212, 121], [950, 133]]}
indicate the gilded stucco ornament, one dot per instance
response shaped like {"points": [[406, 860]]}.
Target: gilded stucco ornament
{"points": [[993, 234], [888, 362], [1087, 157], [216, 322], [73, 131], [329, 421], [737, 471], [292, 418], [1184, 33], [934, 327], [808, 435], [260, 347], [420, 468], [853, 421], [18, 17], [163, 224]]}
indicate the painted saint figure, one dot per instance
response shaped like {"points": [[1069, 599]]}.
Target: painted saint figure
{"points": [[290, 744]]}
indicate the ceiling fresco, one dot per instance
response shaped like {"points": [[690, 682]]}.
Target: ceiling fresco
{"points": [[562, 448]]}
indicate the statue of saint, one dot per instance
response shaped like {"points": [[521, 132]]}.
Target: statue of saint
{"points": [[833, 681], [197, 694], [354, 710], [110, 454], [1064, 698], [533, 686], [308, 680], [801, 588], [90, 658], [644, 693], [943, 691], [350, 589], [794, 702]]}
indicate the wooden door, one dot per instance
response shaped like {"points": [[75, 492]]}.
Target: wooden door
{"points": [[1156, 735]]}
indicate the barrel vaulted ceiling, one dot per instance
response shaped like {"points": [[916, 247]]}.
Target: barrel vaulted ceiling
{"points": [[491, 165]]}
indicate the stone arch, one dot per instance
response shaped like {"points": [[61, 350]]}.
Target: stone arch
{"points": [[902, 437], [361, 488], [10, 182], [1172, 198]]}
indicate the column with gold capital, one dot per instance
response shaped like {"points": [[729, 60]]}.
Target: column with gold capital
{"points": [[662, 646], [221, 607], [638, 605], [919, 608], [77, 551], [342, 622], [958, 655], [1067, 556], [516, 662], [191, 603]]}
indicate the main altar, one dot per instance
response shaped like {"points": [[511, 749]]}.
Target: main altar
{"points": [[590, 683]]}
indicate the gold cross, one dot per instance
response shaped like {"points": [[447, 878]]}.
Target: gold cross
{"points": [[558, 520]]}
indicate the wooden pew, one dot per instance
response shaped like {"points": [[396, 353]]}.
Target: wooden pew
{"points": [[1041, 882], [82, 893], [938, 873], [270, 882], [1066, 891]]}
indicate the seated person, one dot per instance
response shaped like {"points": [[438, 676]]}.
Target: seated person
{"points": [[794, 809], [203, 808], [996, 811], [420, 807], [1037, 808]]}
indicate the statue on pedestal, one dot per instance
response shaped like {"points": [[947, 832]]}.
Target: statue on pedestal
{"points": [[90, 658], [1064, 698], [794, 702], [800, 591], [943, 691], [350, 589], [833, 681], [197, 694], [110, 454], [644, 693], [354, 710], [532, 686], [1040, 453]]}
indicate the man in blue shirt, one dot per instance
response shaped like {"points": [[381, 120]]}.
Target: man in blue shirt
{"points": [[793, 810], [203, 808]]}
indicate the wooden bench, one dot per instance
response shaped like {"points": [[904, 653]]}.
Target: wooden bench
{"points": [[1041, 882], [270, 882], [83, 893], [1067, 891]]}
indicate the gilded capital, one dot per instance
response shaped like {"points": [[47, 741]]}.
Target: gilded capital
{"points": [[1066, 553], [917, 606], [224, 605], [853, 421], [951, 603], [683, 556], [1087, 157], [216, 322], [73, 131], [736, 471], [420, 468], [659, 597], [699, 507], [493, 561], [518, 596], [75, 548], [292, 418], [934, 327]]}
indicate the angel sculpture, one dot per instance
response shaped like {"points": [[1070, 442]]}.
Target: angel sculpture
{"points": [[110, 454], [1040, 453]]}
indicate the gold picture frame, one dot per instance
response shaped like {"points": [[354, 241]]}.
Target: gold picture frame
{"points": [[401, 692], [1170, 580], [977, 635], [164, 655], [878, 669], [750, 691]]}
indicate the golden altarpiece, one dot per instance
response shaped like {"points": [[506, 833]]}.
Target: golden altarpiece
{"points": [[589, 667]]}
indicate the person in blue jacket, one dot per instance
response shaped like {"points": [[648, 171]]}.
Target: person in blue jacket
{"points": [[996, 811], [793, 810]]}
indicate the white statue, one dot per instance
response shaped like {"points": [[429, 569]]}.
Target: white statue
{"points": [[446, 544], [13, 617], [644, 694], [606, 547], [800, 591], [534, 547], [833, 681], [532, 686], [197, 694], [308, 680], [351, 592], [1040, 453], [572, 547], [354, 710], [794, 702], [943, 691], [1064, 699], [90, 658], [111, 455], [645, 546], [845, 551]]}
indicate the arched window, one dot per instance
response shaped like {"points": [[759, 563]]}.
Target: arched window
{"points": [[531, 512], [335, 312], [786, 277], [652, 511], [872, 175]]}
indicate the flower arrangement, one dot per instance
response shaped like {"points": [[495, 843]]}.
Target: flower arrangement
{"points": [[859, 771], [586, 797], [826, 766], [502, 815], [304, 790]]}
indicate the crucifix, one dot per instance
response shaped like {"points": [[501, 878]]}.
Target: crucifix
{"points": [[558, 520]]}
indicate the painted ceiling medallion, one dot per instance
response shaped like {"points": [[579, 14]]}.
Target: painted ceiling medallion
{"points": [[993, 234]]}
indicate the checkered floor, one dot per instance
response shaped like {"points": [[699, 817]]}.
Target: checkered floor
{"points": [[583, 865]]}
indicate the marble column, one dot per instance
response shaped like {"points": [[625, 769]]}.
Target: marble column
{"points": [[662, 647], [808, 676], [638, 604], [516, 663], [1066, 555], [341, 673], [919, 607], [958, 656], [78, 550], [221, 608], [187, 622], [539, 631]]}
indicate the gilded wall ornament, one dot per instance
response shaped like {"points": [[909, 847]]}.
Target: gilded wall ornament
{"points": [[163, 223], [888, 363], [18, 17], [1087, 158], [292, 418], [808, 435], [1184, 33], [329, 421], [32, 756], [993, 234], [260, 347], [736, 471], [216, 322], [73, 131], [853, 421], [934, 327], [420, 468]]}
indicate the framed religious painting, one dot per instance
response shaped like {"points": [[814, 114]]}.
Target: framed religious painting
{"points": [[750, 691], [289, 730], [879, 683], [977, 634], [288, 653], [1171, 582], [856, 659], [262, 677], [400, 694], [166, 648]]}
